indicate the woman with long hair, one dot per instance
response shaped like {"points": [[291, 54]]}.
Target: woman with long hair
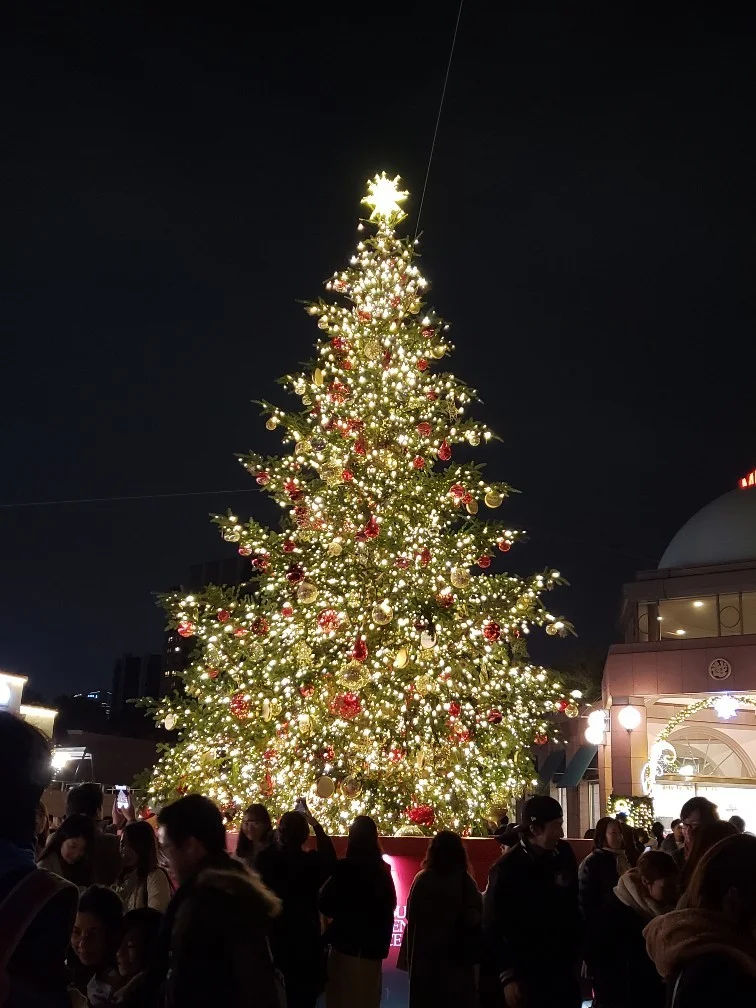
{"points": [[142, 882], [706, 952], [703, 840], [600, 871], [442, 939], [359, 900], [70, 849], [255, 835], [94, 943]]}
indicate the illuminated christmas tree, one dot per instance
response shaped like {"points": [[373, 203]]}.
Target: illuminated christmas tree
{"points": [[375, 662]]}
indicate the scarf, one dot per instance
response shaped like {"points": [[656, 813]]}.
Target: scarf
{"points": [[631, 891], [675, 938]]}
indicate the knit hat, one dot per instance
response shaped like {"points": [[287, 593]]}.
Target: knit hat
{"points": [[539, 810]]}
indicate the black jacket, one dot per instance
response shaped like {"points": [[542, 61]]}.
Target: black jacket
{"points": [[623, 974], [531, 922], [712, 978], [360, 900], [597, 876]]}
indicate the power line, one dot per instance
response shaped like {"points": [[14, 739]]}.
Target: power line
{"points": [[438, 117]]}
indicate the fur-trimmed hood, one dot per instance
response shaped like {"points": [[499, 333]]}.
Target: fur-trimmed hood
{"points": [[675, 938]]}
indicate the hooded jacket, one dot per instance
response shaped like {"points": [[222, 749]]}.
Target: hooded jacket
{"points": [[704, 957]]}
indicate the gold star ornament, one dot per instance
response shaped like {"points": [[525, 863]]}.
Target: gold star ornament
{"points": [[384, 197]]}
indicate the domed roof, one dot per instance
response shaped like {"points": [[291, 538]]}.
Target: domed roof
{"points": [[722, 532]]}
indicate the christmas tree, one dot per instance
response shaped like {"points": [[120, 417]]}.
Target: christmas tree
{"points": [[375, 662]]}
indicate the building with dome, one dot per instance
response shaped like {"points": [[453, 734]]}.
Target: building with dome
{"points": [[679, 695]]}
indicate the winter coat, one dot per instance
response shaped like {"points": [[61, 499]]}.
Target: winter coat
{"points": [[219, 952], [441, 943], [597, 876], [360, 900], [532, 929], [154, 891], [106, 859], [705, 959], [623, 974]]}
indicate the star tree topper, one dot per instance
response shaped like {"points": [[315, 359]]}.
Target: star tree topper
{"points": [[384, 196]]}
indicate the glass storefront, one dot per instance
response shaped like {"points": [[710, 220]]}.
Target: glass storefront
{"points": [[730, 799], [705, 616]]}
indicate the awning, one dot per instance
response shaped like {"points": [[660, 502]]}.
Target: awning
{"points": [[578, 765], [553, 764]]}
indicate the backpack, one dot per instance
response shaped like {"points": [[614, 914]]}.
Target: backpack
{"points": [[18, 910]]}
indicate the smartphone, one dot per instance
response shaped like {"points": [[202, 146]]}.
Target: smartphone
{"points": [[122, 801], [301, 806]]}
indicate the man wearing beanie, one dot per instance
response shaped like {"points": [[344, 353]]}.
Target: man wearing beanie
{"points": [[531, 922]]}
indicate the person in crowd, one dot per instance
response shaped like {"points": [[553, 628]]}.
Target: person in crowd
{"points": [[695, 813], [531, 922], [600, 871], [442, 942], [255, 835], [139, 934], [657, 836], [86, 799], [142, 882], [590, 834], [642, 841], [41, 829], [37, 908], [623, 975], [69, 851], [213, 946], [707, 952], [632, 850], [738, 822], [674, 840], [94, 942], [359, 900], [704, 838], [296, 876]]}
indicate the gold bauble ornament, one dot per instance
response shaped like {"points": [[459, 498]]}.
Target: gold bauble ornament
{"points": [[493, 499], [304, 447], [551, 630], [460, 577], [302, 654], [354, 675], [307, 592], [324, 787], [354, 600], [425, 683], [271, 423], [351, 787], [472, 507], [401, 658], [572, 710], [414, 307], [382, 614], [170, 722], [304, 725], [473, 438], [334, 549], [332, 474], [372, 349], [307, 535], [438, 352], [317, 377], [271, 707], [323, 322]]}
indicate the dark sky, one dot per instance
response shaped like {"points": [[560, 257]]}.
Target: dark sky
{"points": [[170, 184]]}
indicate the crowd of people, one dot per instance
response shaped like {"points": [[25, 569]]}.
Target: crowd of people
{"points": [[166, 917]]}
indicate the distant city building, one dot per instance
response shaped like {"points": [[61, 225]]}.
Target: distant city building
{"points": [[135, 676], [102, 697]]}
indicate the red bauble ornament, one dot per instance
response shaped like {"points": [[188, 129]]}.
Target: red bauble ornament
{"points": [[424, 556], [290, 486], [422, 364], [457, 491], [395, 301], [186, 629], [428, 333], [329, 754], [484, 561], [360, 447], [295, 574], [338, 343], [504, 546], [261, 626], [386, 360], [364, 316], [418, 462], [287, 610], [270, 754], [338, 393], [346, 364], [245, 551], [562, 705], [306, 690], [491, 630], [432, 396], [372, 529], [541, 739], [421, 815], [213, 673], [289, 545], [240, 632], [402, 563], [347, 475], [445, 599], [396, 755], [263, 478], [424, 429], [266, 788], [461, 735], [222, 615], [454, 709], [494, 717], [444, 452], [239, 706], [346, 706], [360, 650], [329, 620], [261, 561]]}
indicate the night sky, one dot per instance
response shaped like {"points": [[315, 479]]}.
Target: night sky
{"points": [[171, 184]]}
